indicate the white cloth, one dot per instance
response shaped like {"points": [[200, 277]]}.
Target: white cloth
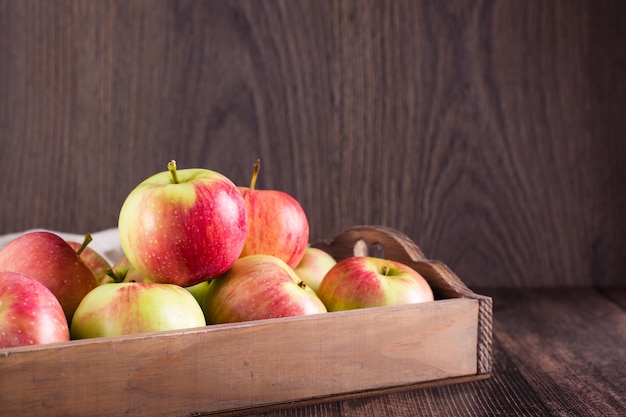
{"points": [[105, 242]]}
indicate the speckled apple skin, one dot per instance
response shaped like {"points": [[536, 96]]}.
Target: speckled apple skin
{"points": [[116, 309], [258, 287], [314, 265], [29, 313], [49, 259], [277, 225], [358, 282], [183, 233]]}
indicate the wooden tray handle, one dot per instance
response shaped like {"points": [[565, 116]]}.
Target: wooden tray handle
{"points": [[388, 243], [377, 241]]}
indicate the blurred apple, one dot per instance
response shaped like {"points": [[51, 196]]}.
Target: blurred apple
{"points": [[49, 259], [183, 227], [259, 287], [277, 224], [133, 275], [135, 307], [361, 281], [94, 260], [199, 291], [29, 313], [123, 271], [314, 265]]}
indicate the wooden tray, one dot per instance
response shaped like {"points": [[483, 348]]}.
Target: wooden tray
{"points": [[228, 369]]}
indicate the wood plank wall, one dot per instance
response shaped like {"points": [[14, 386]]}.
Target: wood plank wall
{"points": [[490, 132]]}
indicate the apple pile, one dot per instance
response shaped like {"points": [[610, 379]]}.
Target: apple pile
{"points": [[198, 250]]}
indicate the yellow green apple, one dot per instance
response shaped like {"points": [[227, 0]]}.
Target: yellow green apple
{"points": [[313, 267], [135, 307]]}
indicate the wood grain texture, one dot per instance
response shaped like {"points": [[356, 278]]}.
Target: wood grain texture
{"points": [[242, 365], [569, 345], [556, 353], [490, 132], [506, 393]]}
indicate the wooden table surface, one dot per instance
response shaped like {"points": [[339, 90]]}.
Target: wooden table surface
{"points": [[489, 132], [557, 352]]}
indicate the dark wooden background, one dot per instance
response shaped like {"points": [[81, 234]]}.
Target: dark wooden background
{"points": [[490, 132]]}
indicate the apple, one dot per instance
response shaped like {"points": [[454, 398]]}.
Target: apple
{"points": [[29, 313], [135, 307], [277, 224], [183, 227], [199, 291], [259, 287], [362, 281], [120, 269], [133, 275], [313, 267], [123, 271], [94, 260], [49, 259]]}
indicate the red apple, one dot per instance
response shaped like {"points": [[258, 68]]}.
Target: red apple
{"points": [[277, 224], [361, 281], [259, 287], [94, 260], [49, 259], [183, 227], [135, 307], [313, 267], [29, 313]]}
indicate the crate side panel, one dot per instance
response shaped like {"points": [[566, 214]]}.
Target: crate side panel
{"points": [[227, 368]]}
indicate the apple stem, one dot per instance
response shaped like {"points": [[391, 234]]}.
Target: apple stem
{"points": [[171, 167], [255, 173], [301, 284], [114, 276], [86, 241], [386, 269]]}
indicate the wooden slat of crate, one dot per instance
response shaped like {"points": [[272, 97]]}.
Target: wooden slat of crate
{"points": [[230, 367]]}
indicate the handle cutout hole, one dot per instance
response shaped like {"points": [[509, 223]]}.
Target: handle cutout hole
{"points": [[375, 250]]}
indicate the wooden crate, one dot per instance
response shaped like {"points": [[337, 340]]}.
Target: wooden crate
{"points": [[224, 369]]}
